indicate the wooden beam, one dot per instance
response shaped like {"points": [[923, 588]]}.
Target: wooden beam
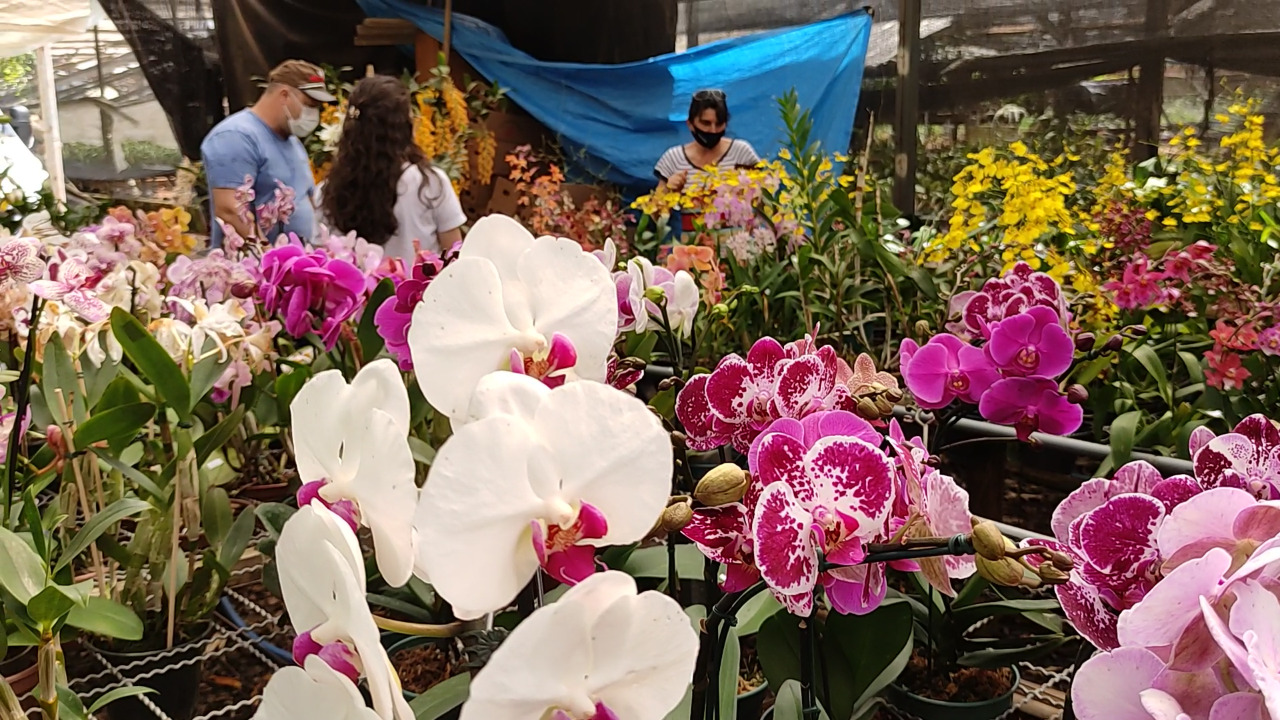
{"points": [[908, 107], [1150, 105]]}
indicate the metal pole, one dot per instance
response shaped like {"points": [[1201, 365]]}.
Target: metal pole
{"points": [[49, 119], [908, 107], [448, 28], [691, 23]]}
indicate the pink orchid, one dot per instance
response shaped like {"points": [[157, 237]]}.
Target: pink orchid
{"points": [[1139, 286], [1032, 343], [826, 489], [723, 534], [394, 316], [312, 293], [741, 397], [72, 283]]}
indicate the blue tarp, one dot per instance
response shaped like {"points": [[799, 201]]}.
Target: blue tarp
{"points": [[616, 120]]}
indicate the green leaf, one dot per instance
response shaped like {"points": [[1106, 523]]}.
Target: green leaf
{"points": [[118, 694], [1192, 363], [214, 438], [114, 513], [729, 663], [106, 617], [237, 539], [155, 364], [69, 705], [788, 704], [31, 516], [755, 612], [992, 658], [778, 647], [969, 616], [118, 424], [1123, 430], [205, 374], [875, 648], [415, 613], [442, 698], [135, 476], [371, 343], [215, 515], [22, 572], [58, 374], [651, 562], [422, 452], [287, 388], [274, 516], [119, 392], [48, 606], [684, 710], [1146, 355]]}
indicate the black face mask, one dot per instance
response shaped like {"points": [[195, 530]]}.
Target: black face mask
{"points": [[707, 140]]}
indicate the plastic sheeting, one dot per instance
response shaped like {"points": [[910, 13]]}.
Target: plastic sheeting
{"points": [[27, 24], [616, 120]]}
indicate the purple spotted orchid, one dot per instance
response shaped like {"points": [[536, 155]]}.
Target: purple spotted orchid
{"points": [[500, 306], [743, 396], [613, 654], [20, 262], [826, 490], [537, 478], [723, 534], [1248, 457], [1005, 297], [71, 282]]}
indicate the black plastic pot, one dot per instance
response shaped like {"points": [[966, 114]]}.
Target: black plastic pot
{"points": [[751, 702], [176, 687], [929, 709]]}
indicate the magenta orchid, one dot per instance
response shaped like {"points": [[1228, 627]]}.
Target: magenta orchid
{"points": [[395, 315], [1031, 343], [741, 397], [310, 291], [724, 535], [945, 369], [1029, 405]]}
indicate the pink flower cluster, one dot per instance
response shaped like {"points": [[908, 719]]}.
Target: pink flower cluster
{"points": [[1175, 579], [743, 396], [821, 489], [1022, 320], [312, 292], [1142, 286]]}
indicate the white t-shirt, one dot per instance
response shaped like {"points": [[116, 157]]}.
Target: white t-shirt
{"points": [[675, 159], [414, 219]]}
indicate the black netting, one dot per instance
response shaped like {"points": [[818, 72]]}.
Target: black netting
{"points": [[183, 75]]}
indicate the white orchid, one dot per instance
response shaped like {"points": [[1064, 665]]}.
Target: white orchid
{"points": [[352, 448], [678, 298], [502, 304], [323, 584], [538, 477], [220, 322], [602, 652], [319, 691]]}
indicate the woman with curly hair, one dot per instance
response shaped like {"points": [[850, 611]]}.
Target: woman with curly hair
{"points": [[381, 184]]}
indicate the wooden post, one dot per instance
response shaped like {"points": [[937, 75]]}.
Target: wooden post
{"points": [[448, 28], [691, 28], [1146, 141], [908, 107], [49, 119]]}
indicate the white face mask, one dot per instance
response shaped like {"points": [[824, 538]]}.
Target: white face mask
{"points": [[305, 123]]}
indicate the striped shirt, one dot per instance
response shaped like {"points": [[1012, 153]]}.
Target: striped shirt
{"points": [[739, 154]]}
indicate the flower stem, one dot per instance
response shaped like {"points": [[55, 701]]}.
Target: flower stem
{"points": [[22, 396], [452, 629]]}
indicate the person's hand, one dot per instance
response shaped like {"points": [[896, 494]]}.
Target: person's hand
{"points": [[676, 182]]}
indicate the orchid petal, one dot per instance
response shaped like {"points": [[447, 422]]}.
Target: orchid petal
{"points": [[499, 395], [386, 492], [1238, 706], [1207, 515], [779, 457], [854, 477], [1083, 606], [319, 691], [1160, 617], [1121, 534], [784, 548], [1108, 686], [309, 571]]}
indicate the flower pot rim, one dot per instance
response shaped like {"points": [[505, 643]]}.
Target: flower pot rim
{"points": [[1013, 687], [755, 690]]}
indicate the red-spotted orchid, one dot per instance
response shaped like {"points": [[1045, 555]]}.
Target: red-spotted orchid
{"points": [[609, 653], [538, 477], [501, 306], [352, 449], [71, 282], [323, 583]]}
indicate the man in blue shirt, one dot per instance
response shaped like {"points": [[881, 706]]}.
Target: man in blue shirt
{"points": [[264, 142]]}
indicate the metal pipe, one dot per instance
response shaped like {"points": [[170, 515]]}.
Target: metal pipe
{"points": [[1167, 465]]}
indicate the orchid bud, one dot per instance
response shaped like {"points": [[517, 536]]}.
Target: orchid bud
{"points": [[1077, 394], [243, 290], [1135, 331], [922, 328], [1113, 344], [894, 394], [988, 540], [1005, 571], [676, 516], [55, 440], [1051, 574], [1085, 342], [679, 439], [884, 405], [720, 309], [726, 483], [655, 294], [867, 409], [1062, 561]]}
